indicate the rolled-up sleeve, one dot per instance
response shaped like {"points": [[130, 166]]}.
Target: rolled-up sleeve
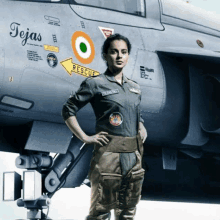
{"points": [[78, 100]]}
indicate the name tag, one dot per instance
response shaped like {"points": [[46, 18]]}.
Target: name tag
{"points": [[135, 90], [110, 92]]}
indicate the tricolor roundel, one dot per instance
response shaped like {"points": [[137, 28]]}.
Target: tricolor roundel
{"points": [[83, 47]]}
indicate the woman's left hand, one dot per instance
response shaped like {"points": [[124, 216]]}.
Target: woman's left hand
{"points": [[143, 132]]}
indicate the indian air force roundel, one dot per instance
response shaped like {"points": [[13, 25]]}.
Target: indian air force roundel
{"points": [[83, 47]]}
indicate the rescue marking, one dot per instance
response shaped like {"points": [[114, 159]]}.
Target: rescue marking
{"points": [[116, 119], [135, 90], [83, 47], [52, 60], [71, 67], [51, 48], [107, 32], [110, 92]]}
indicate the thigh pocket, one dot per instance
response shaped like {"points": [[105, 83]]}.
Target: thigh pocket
{"points": [[109, 186], [135, 186]]}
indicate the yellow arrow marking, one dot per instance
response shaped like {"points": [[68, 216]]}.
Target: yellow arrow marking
{"points": [[71, 67]]}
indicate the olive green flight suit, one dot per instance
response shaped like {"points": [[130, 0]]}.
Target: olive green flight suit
{"points": [[116, 172]]}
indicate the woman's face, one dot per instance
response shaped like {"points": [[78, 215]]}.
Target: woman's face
{"points": [[117, 56]]}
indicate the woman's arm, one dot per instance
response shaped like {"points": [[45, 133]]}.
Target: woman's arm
{"points": [[72, 106], [142, 131], [74, 126]]}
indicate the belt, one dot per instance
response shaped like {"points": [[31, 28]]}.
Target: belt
{"points": [[119, 144]]}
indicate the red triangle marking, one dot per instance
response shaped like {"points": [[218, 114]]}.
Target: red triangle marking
{"points": [[107, 33]]}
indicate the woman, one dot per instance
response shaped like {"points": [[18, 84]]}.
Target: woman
{"points": [[116, 172]]}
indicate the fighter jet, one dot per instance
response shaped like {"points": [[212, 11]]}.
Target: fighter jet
{"points": [[48, 47]]}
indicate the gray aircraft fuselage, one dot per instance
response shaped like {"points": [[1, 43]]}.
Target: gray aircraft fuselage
{"points": [[174, 58]]}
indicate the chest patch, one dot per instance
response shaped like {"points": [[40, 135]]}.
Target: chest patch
{"points": [[110, 92], [116, 119], [137, 91]]}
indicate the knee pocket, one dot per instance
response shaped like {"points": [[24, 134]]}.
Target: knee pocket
{"points": [[109, 188], [134, 187]]}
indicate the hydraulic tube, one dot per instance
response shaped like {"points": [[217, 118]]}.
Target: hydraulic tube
{"points": [[61, 164]]}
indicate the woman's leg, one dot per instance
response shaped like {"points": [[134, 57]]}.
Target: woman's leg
{"points": [[130, 191], [105, 180]]}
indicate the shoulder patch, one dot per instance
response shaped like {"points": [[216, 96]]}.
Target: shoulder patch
{"points": [[98, 78], [133, 81], [137, 91], [92, 77]]}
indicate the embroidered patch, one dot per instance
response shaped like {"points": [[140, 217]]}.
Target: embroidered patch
{"points": [[135, 90], [116, 119], [110, 92]]}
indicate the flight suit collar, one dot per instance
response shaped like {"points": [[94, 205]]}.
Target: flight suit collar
{"points": [[111, 78]]}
